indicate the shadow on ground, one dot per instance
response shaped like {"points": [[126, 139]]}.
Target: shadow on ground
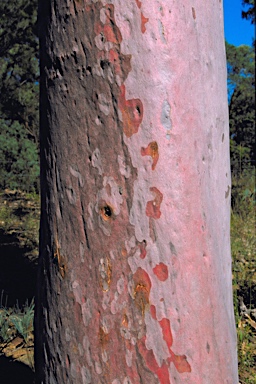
{"points": [[13, 372], [17, 288], [17, 273]]}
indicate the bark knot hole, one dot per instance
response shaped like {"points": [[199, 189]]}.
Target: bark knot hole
{"points": [[106, 212]]}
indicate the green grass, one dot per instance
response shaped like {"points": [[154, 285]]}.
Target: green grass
{"points": [[243, 247]]}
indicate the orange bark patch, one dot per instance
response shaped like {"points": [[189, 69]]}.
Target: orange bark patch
{"points": [[112, 34], [150, 360], [181, 363], [161, 271], [142, 289], [114, 59], [165, 326], [105, 270], [162, 372], [109, 31], [121, 63], [153, 206], [166, 331], [103, 337], [138, 2], [132, 113], [144, 20], [125, 321], [194, 13], [153, 311], [143, 251], [151, 150], [147, 355], [59, 260]]}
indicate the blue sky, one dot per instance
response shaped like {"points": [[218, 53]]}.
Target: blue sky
{"points": [[237, 30]]}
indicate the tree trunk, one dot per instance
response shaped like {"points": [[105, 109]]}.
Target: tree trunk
{"points": [[135, 267]]}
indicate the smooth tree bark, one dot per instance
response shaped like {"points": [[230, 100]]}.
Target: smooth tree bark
{"points": [[135, 266]]}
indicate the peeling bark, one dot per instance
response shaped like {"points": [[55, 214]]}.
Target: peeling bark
{"points": [[135, 266]]}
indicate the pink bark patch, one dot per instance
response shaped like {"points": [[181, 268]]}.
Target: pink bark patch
{"points": [[161, 271], [153, 206], [151, 150], [132, 113]]}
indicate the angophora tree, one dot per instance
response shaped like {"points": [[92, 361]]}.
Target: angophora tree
{"points": [[135, 266]]}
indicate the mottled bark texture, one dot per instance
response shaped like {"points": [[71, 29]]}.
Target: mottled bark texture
{"points": [[135, 266]]}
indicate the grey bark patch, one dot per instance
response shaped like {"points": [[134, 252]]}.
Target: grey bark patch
{"points": [[172, 248]]}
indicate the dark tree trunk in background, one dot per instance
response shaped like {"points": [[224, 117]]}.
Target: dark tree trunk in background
{"points": [[135, 266]]}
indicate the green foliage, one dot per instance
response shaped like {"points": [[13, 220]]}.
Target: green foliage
{"points": [[19, 166]]}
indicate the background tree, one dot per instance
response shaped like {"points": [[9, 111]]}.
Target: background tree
{"points": [[19, 101], [241, 82], [241, 86], [135, 267], [241, 67], [18, 158], [249, 14]]}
